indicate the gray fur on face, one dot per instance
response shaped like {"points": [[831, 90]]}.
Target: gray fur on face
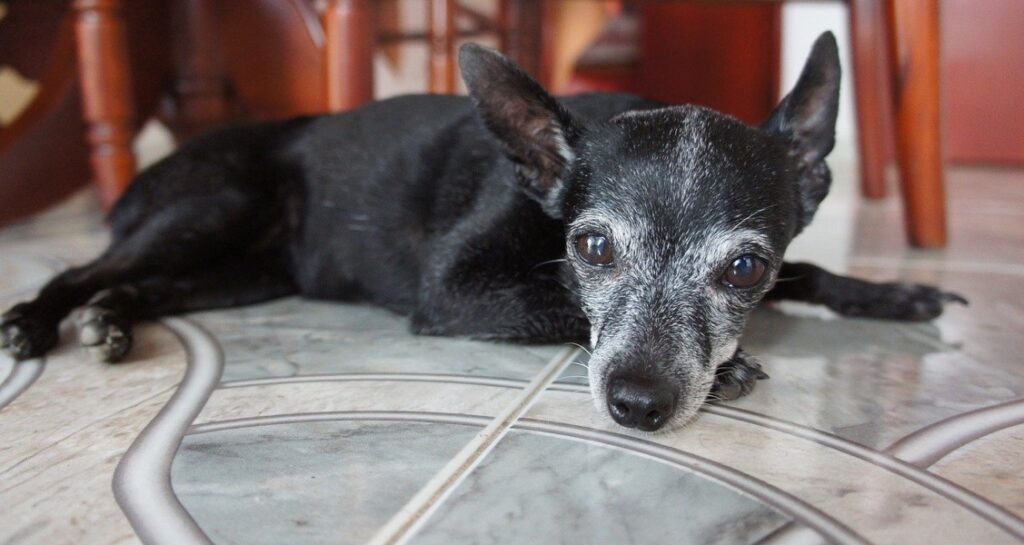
{"points": [[675, 225]]}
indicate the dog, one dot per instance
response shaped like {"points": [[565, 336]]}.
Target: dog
{"points": [[650, 231]]}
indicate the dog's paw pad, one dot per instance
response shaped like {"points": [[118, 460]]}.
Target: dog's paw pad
{"points": [[103, 335], [23, 338], [737, 377]]}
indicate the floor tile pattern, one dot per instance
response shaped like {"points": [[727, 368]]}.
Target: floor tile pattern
{"points": [[308, 422]]}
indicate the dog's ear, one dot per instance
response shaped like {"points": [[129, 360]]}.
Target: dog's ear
{"points": [[536, 132], [807, 117]]}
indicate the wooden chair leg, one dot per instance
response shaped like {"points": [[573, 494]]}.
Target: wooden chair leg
{"points": [[349, 43], [873, 93], [108, 107], [442, 46], [916, 24], [201, 87]]}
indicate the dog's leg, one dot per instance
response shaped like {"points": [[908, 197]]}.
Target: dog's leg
{"points": [[736, 377], [860, 298], [106, 322]]}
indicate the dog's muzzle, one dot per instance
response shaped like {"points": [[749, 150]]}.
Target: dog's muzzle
{"points": [[635, 401]]}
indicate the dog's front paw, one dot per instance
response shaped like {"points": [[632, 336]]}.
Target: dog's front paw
{"points": [[736, 377], [104, 334], [23, 336], [898, 301]]}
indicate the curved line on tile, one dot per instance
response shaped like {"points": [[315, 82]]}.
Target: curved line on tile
{"points": [[399, 377], [793, 533], [142, 480], [980, 506], [22, 375], [832, 530], [991, 512], [967, 499], [829, 528], [931, 443]]}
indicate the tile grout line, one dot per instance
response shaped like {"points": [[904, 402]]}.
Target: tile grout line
{"points": [[404, 524]]}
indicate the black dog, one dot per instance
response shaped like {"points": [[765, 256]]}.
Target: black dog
{"points": [[653, 230]]}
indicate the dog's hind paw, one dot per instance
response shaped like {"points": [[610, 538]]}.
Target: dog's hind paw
{"points": [[899, 301], [23, 337], [103, 334], [736, 377]]}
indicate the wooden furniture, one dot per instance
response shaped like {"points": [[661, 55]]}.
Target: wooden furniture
{"points": [[895, 64], [275, 58], [896, 67]]}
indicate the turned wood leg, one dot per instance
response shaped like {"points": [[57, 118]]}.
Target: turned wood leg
{"points": [[873, 93], [106, 94], [521, 33], [441, 32], [201, 86], [349, 40], [916, 24]]}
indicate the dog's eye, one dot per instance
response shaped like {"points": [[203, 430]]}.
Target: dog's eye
{"points": [[745, 271], [595, 249]]}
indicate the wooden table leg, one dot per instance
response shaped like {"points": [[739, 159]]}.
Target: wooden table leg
{"points": [[349, 43], [873, 93], [106, 93], [916, 24], [442, 46]]}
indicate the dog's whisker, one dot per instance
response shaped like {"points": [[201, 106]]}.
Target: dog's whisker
{"points": [[583, 365], [581, 347], [750, 216], [574, 376], [548, 262]]}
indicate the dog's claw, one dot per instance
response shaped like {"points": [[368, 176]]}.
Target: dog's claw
{"points": [[23, 338], [737, 377], [103, 334]]}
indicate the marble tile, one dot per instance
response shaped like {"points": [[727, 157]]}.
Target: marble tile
{"points": [[294, 337], [984, 221], [63, 437], [536, 488], [867, 381], [854, 492], [368, 395], [308, 482], [991, 467]]}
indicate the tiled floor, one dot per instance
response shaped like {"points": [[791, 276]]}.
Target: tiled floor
{"points": [[302, 422]]}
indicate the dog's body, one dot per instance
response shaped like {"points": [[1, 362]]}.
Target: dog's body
{"points": [[524, 218]]}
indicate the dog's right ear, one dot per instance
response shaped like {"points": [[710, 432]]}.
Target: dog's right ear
{"points": [[536, 132]]}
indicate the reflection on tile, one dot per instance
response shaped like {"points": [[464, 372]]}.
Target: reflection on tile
{"points": [[875, 381], [296, 337], [990, 466], [984, 222], [308, 482], [543, 489], [878, 504]]}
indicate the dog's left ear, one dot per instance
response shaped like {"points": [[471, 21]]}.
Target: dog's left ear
{"points": [[535, 130], [807, 117]]}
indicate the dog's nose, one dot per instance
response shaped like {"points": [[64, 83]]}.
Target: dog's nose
{"points": [[637, 402]]}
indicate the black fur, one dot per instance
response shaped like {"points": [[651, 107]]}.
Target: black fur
{"points": [[460, 216]]}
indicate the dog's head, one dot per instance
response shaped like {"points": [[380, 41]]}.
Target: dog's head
{"points": [[676, 220]]}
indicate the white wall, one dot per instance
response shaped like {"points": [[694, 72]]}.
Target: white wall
{"points": [[802, 22]]}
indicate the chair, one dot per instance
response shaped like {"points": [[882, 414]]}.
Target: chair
{"points": [[895, 51]]}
